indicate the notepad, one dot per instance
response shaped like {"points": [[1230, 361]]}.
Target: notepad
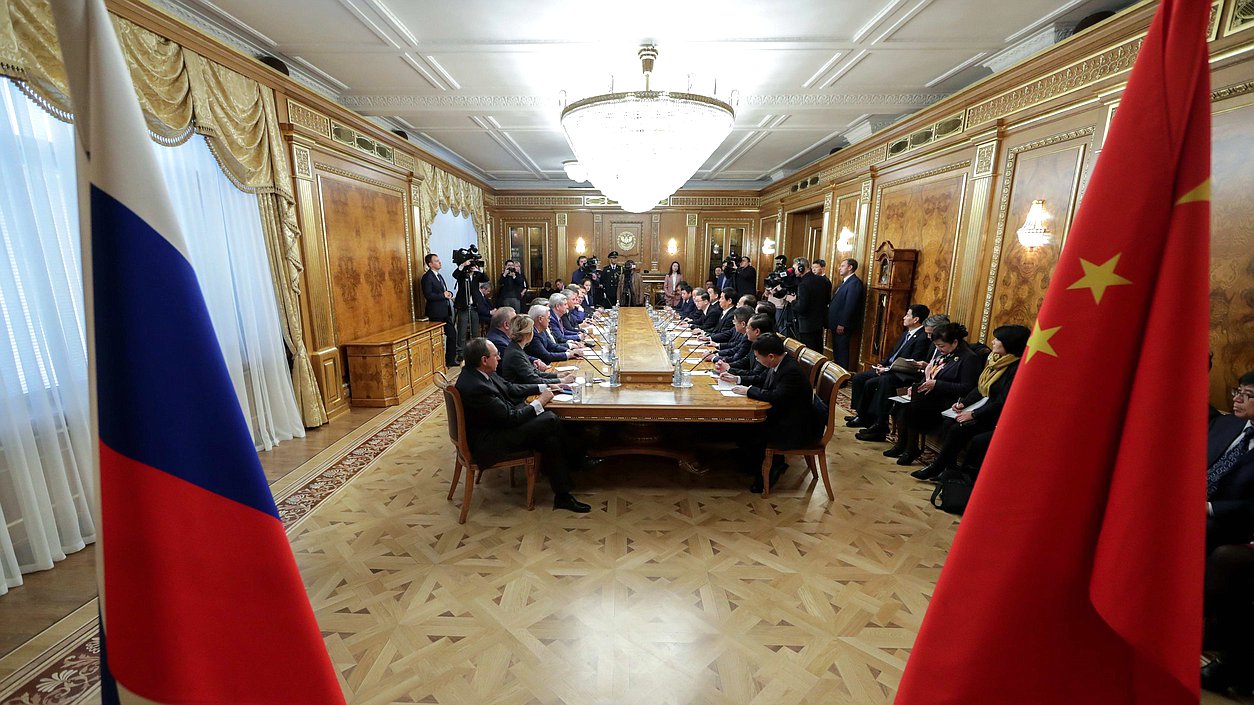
{"points": [[563, 397], [729, 393], [900, 400], [950, 413]]}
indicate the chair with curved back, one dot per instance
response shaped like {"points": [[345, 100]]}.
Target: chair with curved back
{"points": [[530, 461], [811, 361], [793, 346], [830, 377]]}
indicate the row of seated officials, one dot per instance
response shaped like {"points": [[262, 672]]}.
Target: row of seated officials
{"points": [[517, 356]]}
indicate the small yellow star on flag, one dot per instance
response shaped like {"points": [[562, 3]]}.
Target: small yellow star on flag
{"points": [[1039, 341], [1099, 276], [1201, 192]]}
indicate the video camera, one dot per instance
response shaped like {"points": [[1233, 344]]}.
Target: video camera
{"points": [[630, 266], [468, 254], [781, 263], [782, 281], [729, 264], [591, 265]]}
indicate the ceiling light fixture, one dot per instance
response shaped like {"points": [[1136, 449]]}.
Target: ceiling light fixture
{"points": [[574, 170], [639, 147]]}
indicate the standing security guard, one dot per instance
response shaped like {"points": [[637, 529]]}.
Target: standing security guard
{"points": [[611, 278]]}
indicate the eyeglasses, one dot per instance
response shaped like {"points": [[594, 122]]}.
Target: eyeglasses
{"points": [[1238, 393]]}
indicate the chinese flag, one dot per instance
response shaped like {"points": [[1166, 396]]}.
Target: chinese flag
{"points": [[1076, 575]]}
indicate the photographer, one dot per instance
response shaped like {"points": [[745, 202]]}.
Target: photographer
{"points": [[781, 287], [513, 285], [612, 279], [468, 275], [810, 304], [582, 270], [631, 284], [746, 278]]}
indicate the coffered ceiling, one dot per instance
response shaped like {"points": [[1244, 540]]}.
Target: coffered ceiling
{"points": [[480, 82]]}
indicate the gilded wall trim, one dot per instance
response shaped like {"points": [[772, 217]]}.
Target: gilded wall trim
{"points": [[300, 114], [599, 201], [1075, 76], [879, 193], [406, 162], [327, 168], [302, 162], [855, 164], [349, 137], [985, 158], [1240, 18], [1003, 209], [1231, 91]]}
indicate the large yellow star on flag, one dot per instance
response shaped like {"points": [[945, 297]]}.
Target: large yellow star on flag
{"points": [[1039, 341], [1099, 276]]}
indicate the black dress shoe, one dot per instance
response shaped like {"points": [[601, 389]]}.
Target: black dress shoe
{"points": [[895, 451], [570, 504], [908, 457], [851, 417], [855, 422], [928, 472], [1222, 676], [591, 463], [874, 434]]}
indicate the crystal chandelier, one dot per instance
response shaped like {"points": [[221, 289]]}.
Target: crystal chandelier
{"points": [[639, 147]]}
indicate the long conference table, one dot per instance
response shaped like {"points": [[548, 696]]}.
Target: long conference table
{"points": [[645, 415]]}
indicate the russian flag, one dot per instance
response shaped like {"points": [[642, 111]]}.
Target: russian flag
{"points": [[200, 598]]}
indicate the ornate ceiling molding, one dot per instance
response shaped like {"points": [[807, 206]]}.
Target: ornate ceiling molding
{"points": [[796, 101]]}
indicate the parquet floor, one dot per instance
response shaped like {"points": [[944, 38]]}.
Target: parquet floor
{"points": [[675, 589]]}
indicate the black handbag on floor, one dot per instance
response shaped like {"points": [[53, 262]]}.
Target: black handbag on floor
{"points": [[952, 495]]}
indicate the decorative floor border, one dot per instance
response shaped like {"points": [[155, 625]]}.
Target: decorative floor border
{"points": [[68, 673]]}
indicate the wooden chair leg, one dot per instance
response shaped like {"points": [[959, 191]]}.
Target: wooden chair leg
{"points": [[766, 474], [827, 481], [814, 472], [470, 491], [531, 484], [457, 473]]}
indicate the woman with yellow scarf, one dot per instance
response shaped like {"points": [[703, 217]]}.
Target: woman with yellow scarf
{"points": [[978, 411]]}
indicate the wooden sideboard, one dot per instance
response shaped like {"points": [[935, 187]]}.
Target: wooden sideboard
{"points": [[389, 367]]}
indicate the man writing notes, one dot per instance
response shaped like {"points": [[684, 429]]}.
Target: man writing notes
{"points": [[499, 423]]}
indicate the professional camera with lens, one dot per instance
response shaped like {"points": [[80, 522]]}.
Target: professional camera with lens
{"points": [[781, 282], [591, 265], [468, 254], [781, 263], [729, 265], [630, 266]]}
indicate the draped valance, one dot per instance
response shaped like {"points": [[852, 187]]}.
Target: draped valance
{"points": [[182, 93], [440, 191]]}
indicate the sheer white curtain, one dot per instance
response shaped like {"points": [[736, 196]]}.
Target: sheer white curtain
{"points": [[223, 229], [46, 483], [45, 456]]}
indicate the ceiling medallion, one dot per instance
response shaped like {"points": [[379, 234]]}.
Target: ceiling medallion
{"points": [[640, 147]]}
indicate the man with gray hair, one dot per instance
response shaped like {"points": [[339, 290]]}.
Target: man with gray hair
{"points": [[810, 304], [543, 345], [557, 309]]}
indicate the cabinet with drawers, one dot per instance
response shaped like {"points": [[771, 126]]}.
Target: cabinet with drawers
{"points": [[389, 367]]}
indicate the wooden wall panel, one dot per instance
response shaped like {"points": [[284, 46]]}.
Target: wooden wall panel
{"points": [[365, 229], [924, 215], [1051, 175], [1232, 250], [845, 216]]}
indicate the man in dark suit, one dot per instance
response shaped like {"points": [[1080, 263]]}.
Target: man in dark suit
{"points": [[1230, 470], [512, 287], [746, 369], [439, 305], [746, 278], [726, 325], [792, 421], [912, 345], [543, 346], [844, 313], [810, 304], [482, 306], [721, 279], [499, 422], [709, 313]]}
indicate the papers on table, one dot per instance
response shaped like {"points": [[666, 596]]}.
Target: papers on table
{"points": [[950, 413], [729, 393], [563, 397], [694, 344], [566, 368], [721, 385], [900, 400], [704, 373]]}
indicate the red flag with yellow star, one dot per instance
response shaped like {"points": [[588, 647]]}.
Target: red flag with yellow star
{"points": [[1076, 575]]}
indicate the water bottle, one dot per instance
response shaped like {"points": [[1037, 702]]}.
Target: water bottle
{"points": [[615, 379]]}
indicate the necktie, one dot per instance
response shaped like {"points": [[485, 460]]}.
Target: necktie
{"points": [[1227, 461], [904, 342]]}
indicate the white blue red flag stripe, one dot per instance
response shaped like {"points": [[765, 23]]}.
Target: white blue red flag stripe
{"points": [[200, 598]]}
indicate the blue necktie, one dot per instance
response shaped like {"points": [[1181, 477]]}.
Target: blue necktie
{"points": [[904, 341], [1227, 461]]}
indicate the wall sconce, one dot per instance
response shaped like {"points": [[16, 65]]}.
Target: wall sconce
{"points": [[580, 247], [575, 170], [844, 241], [672, 246], [1035, 231], [768, 246]]}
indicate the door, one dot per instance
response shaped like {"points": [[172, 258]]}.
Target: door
{"points": [[528, 244], [722, 241]]}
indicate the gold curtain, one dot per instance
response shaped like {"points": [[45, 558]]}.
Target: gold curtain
{"points": [[182, 92], [441, 191]]}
